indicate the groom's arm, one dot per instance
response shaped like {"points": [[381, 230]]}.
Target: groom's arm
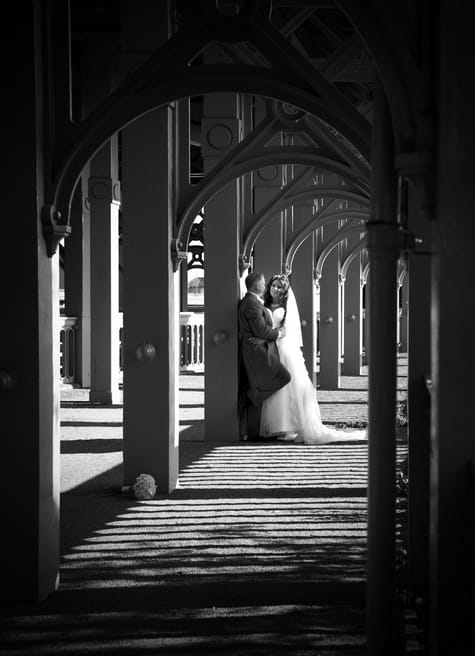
{"points": [[258, 325]]}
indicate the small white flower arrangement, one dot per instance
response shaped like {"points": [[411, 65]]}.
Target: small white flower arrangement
{"points": [[145, 487]]}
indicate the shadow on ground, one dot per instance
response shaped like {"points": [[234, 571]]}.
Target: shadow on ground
{"points": [[248, 556]]}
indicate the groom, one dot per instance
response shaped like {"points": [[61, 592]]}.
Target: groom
{"points": [[264, 371]]}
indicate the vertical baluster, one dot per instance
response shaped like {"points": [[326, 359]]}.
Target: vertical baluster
{"points": [[188, 345], [195, 352], [71, 351], [202, 355], [182, 346], [62, 339]]}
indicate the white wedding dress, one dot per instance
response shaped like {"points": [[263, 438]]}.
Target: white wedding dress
{"points": [[294, 408]]}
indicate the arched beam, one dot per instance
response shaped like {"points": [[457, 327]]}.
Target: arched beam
{"points": [[342, 234], [167, 76], [356, 250], [275, 121], [316, 192], [294, 66], [384, 29], [264, 157], [320, 220], [402, 272], [364, 276]]}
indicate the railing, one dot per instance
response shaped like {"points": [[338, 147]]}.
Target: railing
{"points": [[191, 344], [67, 341], [121, 343], [192, 356]]}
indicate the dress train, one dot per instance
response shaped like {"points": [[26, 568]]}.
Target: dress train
{"points": [[294, 408]]}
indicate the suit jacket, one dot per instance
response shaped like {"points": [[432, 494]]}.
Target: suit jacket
{"points": [[261, 361]]}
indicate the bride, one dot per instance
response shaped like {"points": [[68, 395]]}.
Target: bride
{"points": [[292, 413]]}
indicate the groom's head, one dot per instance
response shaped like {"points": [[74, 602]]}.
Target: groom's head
{"points": [[255, 282]]}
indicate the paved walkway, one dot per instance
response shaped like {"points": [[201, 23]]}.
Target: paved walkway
{"points": [[261, 549]]}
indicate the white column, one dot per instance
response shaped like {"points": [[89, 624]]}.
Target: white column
{"points": [[330, 318], [220, 131], [29, 337], [151, 312], [104, 199], [353, 335]]}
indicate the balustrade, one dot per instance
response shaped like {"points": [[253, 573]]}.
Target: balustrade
{"points": [[191, 341], [67, 340], [191, 344]]}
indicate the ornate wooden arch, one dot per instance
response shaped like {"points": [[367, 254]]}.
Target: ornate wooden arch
{"points": [[364, 276], [384, 27], [265, 157], [356, 250], [403, 49], [402, 273], [166, 76], [316, 222], [324, 218], [342, 234]]}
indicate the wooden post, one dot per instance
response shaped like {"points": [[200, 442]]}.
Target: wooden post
{"points": [[151, 286], [383, 253], [353, 335], [452, 525], [330, 318], [419, 368], [303, 286], [403, 326], [29, 335], [102, 251], [104, 198], [220, 133]]}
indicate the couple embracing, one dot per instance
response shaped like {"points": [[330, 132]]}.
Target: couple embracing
{"points": [[281, 399]]}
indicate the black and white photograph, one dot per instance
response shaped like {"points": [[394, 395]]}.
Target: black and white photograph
{"points": [[237, 328]]}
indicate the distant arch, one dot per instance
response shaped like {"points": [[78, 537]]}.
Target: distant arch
{"points": [[321, 220]]}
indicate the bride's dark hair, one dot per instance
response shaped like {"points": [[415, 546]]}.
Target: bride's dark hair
{"points": [[283, 295]]}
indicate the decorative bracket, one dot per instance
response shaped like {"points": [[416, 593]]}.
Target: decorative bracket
{"points": [[53, 231], [178, 255], [244, 264], [286, 269]]}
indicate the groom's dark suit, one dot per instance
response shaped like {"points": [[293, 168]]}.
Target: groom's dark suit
{"points": [[265, 373]]}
